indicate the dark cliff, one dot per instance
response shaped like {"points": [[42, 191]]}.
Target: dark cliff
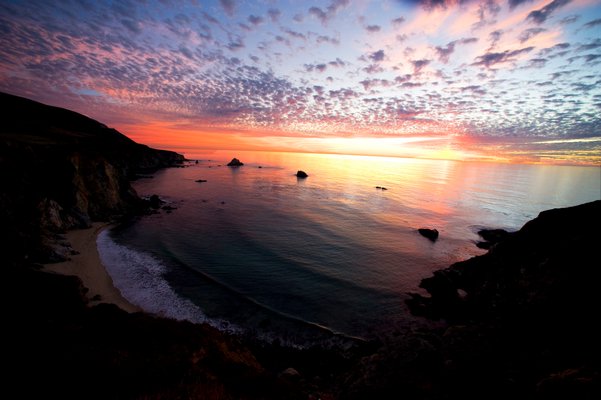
{"points": [[519, 321], [61, 170]]}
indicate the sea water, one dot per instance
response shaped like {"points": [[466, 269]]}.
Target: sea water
{"points": [[256, 250]]}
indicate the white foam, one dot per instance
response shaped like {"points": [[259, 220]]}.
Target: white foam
{"points": [[140, 279]]}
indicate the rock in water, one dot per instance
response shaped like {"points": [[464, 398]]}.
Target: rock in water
{"points": [[235, 163], [301, 174], [431, 234]]}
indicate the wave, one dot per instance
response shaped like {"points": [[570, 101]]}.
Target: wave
{"points": [[140, 279]]}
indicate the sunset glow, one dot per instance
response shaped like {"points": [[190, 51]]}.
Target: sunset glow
{"points": [[492, 80]]}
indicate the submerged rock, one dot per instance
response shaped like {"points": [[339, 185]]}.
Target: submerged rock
{"points": [[301, 174], [235, 163], [431, 234]]}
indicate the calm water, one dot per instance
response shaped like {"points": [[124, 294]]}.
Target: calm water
{"points": [[257, 250]]}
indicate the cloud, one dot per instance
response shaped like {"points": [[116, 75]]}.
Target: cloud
{"points": [[537, 62], [373, 69], [530, 33], [325, 15], [514, 3], [541, 15], [595, 44], [490, 59], [229, 6], [294, 34], [397, 22], [255, 20], [419, 65], [373, 28], [315, 67], [274, 14], [327, 39], [593, 23], [377, 56]]}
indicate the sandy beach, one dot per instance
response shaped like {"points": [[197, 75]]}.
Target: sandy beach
{"points": [[87, 266]]}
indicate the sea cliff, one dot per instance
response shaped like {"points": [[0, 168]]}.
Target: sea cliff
{"points": [[61, 170]]}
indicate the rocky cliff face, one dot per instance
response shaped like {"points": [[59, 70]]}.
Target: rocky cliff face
{"points": [[61, 170], [517, 322]]}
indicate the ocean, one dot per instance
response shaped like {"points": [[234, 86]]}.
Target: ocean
{"points": [[258, 251]]}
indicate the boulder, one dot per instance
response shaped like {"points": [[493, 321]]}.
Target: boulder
{"points": [[431, 234], [235, 163], [301, 174]]}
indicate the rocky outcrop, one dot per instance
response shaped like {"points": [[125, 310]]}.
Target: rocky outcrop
{"points": [[431, 234], [517, 322], [235, 163], [61, 170], [301, 174]]}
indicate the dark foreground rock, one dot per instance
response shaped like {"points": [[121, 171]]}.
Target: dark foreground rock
{"points": [[519, 321], [491, 237], [301, 174]]}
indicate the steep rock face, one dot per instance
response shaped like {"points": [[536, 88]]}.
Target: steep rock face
{"points": [[517, 322], [61, 170]]}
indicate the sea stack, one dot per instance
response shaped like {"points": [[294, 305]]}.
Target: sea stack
{"points": [[431, 234], [235, 163], [301, 174]]}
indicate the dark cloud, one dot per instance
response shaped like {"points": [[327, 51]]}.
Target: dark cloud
{"points": [[295, 34], [229, 6], [591, 57], [569, 19], [444, 52], [298, 17], [132, 25], [325, 15], [474, 89], [373, 69], [368, 84], [490, 59], [397, 22], [541, 15], [593, 23], [255, 20], [327, 39], [530, 33], [377, 56], [274, 14], [514, 3], [210, 18], [559, 46], [337, 63], [419, 65], [537, 62], [595, 44], [315, 67], [373, 28]]}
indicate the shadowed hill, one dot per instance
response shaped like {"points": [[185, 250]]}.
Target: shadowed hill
{"points": [[61, 170]]}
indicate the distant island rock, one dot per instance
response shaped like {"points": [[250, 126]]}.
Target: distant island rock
{"points": [[200, 180], [431, 234], [235, 163], [301, 174]]}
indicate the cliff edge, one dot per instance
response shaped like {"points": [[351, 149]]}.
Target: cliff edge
{"points": [[61, 170]]}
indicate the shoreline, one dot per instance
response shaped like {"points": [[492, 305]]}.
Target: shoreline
{"points": [[88, 267]]}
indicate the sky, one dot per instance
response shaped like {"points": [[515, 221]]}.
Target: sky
{"points": [[492, 80]]}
